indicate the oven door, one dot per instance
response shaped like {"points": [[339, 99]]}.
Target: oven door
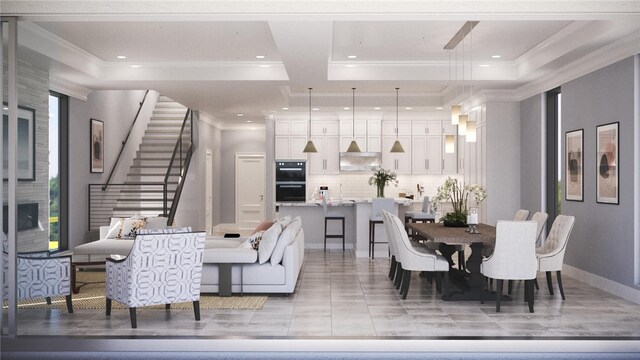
{"points": [[290, 192], [290, 171]]}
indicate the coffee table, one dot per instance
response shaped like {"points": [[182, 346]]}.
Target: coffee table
{"points": [[74, 288]]}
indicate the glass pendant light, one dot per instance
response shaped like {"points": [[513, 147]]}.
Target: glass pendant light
{"points": [[310, 147], [449, 144], [353, 147], [471, 132], [462, 124], [397, 147]]}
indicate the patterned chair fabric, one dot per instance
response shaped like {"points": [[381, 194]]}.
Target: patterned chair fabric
{"points": [[38, 275], [160, 269]]}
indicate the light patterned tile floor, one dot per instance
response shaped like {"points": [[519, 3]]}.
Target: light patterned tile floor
{"points": [[340, 295]]}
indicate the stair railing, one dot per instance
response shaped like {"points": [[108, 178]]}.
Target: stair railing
{"points": [[124, 142], [181, 161]]}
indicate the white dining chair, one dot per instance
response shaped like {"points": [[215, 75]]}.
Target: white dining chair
{"points": [[521, 215], [540, 219], [550, 256]]}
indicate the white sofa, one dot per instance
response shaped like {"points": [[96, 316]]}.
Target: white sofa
{"points": [[256, 278]]}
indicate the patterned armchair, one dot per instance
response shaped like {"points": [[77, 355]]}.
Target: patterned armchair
{"points": [[39, 275], [160, 269]]}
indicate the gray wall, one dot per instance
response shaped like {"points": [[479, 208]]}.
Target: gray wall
{"points": [[531, 153], [117, 109], [602, 240], [503, 159], [236, 141]]}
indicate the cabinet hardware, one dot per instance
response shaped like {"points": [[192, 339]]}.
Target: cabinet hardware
{"points": [[427, 162]]}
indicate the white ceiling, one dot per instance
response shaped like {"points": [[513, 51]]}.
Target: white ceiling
{"points": [[203, 54]]}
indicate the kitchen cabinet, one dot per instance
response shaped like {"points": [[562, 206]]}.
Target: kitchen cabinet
{"points": [[367, 135], [290, 139], [426, 154], [389, 128], [327, 160], [424, 127], [325, 128], [397, 162]]}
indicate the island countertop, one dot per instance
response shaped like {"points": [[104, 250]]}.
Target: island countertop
{"points": [[347, 202]]}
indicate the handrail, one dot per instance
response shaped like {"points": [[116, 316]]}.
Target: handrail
{"points": [[183, 166], [124, 142]]}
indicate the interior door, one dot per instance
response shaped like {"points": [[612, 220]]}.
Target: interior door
{"points": [[209, 191], [250, 189]]}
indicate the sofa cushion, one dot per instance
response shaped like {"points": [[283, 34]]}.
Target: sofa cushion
{"points": [[230, 256], [287, 237], [268, 242], [213, 243], [104, 246]]}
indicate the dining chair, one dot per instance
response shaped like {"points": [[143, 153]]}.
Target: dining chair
{"points": [[550, 256], [415, 258], [513, 258], [377, 205], [521, 215], [540, 218], [395, 265]]}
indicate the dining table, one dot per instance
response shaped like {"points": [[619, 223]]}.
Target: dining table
{"points": [[469, 285]]}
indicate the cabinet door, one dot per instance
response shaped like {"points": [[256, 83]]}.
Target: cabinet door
{"points": [[434, 154], [374, 128], [298, 127], [296, 145], [332, 154], [388, 159], [332, 127], [403, 162], [404, 128], [282, 148], [419, 155], [373, 144], [282, 127], [317, 128], [449, 129], [316, 160], [434, 128], [419, 128], [450, 164]]}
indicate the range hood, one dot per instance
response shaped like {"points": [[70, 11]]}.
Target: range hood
{"points": [[360, 162]]}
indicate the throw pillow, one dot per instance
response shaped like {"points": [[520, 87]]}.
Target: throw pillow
{"points": [[129, 228], [114, 228], [284, 221], [264, 225], [156, 222], [287, 237], [253, 242], [268, 243]]}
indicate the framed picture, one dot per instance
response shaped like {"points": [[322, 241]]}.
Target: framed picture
{"points": [[574, 165], [26, 155], [608, 159], [97, 146]]}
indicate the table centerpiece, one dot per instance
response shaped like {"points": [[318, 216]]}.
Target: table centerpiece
{"points": [[458, 195]]}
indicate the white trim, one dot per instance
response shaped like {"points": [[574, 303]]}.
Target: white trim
{"points": [[67, 87], [239, 155], [211, 120], [623, 291], [636, 170]]}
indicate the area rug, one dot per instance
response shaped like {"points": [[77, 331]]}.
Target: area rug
{"points": [[91, 297]]}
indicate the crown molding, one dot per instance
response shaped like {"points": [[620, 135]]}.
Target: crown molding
{"points": [[67, 87], [211, 120]]}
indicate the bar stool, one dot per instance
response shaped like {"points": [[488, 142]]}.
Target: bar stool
{"points": [[377, 205], [426, 215], [332, 215]]}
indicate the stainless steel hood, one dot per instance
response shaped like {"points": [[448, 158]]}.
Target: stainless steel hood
{"points": [[360, 162]]}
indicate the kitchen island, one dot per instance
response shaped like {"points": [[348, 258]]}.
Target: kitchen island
{"points": [[357, 213]]}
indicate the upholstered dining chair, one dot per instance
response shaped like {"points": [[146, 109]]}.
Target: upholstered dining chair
{"points": [[540, 219], [377, 206], [550, 256], [513, 258], [39, 275], [162, 268], [521, 215], [415, 258]]}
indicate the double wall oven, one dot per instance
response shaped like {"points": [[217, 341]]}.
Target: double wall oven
{"points": [[290, 181]]}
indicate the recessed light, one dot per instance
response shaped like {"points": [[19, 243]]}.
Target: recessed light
{"points": [[496, 56], [376, 108], [259, 56], [240, 114], [265, 66], [408, 108], [484, 65], [352, 57], [135, 66], [285, 108], [5, 108], [315, 109], [439, 108], [351, 65], [121, 57], [248, 121], [346, 108]]}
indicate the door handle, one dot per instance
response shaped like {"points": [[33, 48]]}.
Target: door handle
{"points": [[261, 197]]}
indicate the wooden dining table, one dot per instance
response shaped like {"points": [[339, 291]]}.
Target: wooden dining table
{"points": [[469, 285]]}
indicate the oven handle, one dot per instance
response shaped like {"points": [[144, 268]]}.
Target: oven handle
{"points": [[289, 169], [289, 186]]}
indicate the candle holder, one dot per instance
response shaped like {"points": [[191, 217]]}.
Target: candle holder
{"points": [[472, 220], [473, 229]]}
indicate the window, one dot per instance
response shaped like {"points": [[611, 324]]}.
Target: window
{"points": [[554, 153], [58, 118]]}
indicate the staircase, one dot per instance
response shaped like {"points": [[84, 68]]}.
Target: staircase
{"points": [[159, 161]]}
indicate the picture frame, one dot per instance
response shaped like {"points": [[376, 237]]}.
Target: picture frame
{"points": [[26, 161], [96, 146], [608, 164], [574, 165]]}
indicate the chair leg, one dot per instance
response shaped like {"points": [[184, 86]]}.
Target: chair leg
{"points": [[445, 282], [498, 294], [509, 287], [461, 260], [48, 300], [560, 284], [526, 292], [69, 304], [343, 221], [406, 279], [535, 283], [132, 314], [549, 282], [392, 268], [108, 307], [482, 289], [438, 283], [196, 309], [398, 278], [325, 234], [167, 306], [373, 239], [529, 286]]}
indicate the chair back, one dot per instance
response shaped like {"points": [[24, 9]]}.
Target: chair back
{"points": [[514, 255], [426, 205], [556, 242], [379, 204], [540, 218], [324, 206], [388, 228], [521, 215], [411, 259]]}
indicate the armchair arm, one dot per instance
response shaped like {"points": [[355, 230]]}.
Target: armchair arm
{"points": [[35, 254], [116, 259]]}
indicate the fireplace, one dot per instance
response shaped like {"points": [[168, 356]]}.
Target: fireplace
{"points": [[27, 217]]}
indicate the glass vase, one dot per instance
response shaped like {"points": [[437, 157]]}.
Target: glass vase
{"points": [[380, 191]]}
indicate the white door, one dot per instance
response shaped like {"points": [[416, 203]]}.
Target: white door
{"points": [[250, 189], [209, 191]]}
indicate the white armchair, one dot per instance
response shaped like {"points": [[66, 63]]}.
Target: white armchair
{"points": [[550, 256], [39, 275], [513, 258], [160, 269]]}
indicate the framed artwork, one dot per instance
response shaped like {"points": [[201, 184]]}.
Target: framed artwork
{"points": [[608, 159], [26, 155], [97, 146], [574, 165]]}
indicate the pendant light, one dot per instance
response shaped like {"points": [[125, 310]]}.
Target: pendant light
{"points": [[470, 126], [449, 144], [353, 147], [310, 147], [397, 147], [455, 108]]}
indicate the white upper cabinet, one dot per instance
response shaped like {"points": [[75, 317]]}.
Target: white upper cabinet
{"points": [[397, 162], [290, 139], [389, 128], [325, 136], [426, 154]]}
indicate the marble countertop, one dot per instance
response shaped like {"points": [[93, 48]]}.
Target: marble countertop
{"points": [[347, 202]]}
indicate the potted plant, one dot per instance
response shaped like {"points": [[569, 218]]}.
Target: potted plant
{"points": [[458, 195], [382, 178]]}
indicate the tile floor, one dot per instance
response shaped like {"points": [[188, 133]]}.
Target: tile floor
{"points": [[340, 295]]}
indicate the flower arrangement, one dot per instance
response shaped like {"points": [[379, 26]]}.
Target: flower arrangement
{"points": [[382, 178], [458, 196]]}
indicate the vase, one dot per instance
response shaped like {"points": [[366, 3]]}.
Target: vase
{"points": [[380, 191]]}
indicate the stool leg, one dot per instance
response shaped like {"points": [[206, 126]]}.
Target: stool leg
{"points": [[325, 234], [373, 241], [343, 235]]}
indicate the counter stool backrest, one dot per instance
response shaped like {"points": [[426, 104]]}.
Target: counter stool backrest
{"points": [[426, 205], [379, 204]]}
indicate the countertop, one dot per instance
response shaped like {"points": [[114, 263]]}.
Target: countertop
{"points": [[347, 202]]}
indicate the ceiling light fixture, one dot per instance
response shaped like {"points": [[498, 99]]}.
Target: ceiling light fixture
{"points": [[471, 132], [5, 108], [265, 66], [352, 57], [439, 108], [376, 108], [285, 108], [316, 109], [121, 57], [346, 108], [449, 144], [496, 56], [248, 121], [353, 147], [408, 108], [240, 114], [135, 66], [484, 65], [397, 147], [310, 147], [452, 45], [259, 56]]}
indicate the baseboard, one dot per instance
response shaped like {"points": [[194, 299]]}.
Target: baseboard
{"points": [[623, 291]]}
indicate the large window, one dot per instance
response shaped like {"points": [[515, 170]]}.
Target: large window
{"points": [[57, 171], [554, 153]]}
